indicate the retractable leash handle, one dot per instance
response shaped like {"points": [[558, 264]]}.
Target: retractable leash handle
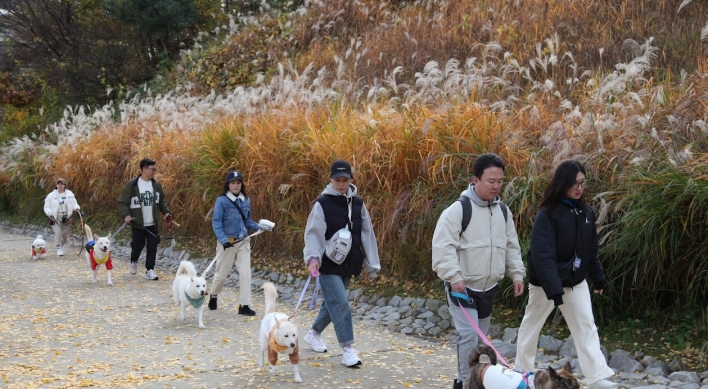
{"points": [[466, 298]]}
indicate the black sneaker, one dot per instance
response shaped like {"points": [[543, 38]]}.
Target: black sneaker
{"points": [[212, 302], [456, 384], [245, 310]]}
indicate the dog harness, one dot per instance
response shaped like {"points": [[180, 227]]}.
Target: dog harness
{"points": [[95, 262], [274, 348], [196, 303], [501, 377], [35, 253]]}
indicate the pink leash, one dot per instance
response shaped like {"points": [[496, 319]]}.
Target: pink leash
{"points": [[459, 296]]}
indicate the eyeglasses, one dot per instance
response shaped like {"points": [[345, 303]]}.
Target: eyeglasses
{"points": [[580, 184], [151, 168]]}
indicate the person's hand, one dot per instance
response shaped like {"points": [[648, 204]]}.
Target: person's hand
{"points": [[227, 245], [598, 291], [82, 213], [168, 217], [313, 265], [518, 288], [128, 219], [459, 287]]}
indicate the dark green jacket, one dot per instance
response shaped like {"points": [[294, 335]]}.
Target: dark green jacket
{"points": [[129, 202]]}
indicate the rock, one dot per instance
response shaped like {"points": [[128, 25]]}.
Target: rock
{"points": [[677, 365], [433, 305], [549, 343], [648, 360], [657, 369], [623, 361], [505, 349], [685, 376], [568, 348], [395, 301], [510, 335]]}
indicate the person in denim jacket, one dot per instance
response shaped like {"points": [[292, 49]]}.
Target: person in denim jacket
{"points": [[231, 221]]}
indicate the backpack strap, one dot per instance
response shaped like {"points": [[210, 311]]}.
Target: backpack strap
{"points": [[467, 212]]}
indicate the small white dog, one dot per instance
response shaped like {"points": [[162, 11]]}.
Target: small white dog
{"points": [[278, 334], [189, 289], [39, 248], [98, 252]]}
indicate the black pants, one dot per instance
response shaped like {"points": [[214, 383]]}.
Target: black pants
{"points": [[140, 238]]}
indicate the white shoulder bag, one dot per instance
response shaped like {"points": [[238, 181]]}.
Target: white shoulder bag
{"points": [[338, 246]]}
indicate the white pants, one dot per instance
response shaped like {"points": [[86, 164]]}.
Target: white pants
{"points": [[577, 312], [241, 254]]}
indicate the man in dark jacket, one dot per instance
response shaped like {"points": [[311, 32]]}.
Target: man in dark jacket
{"points": [[139, 203]]}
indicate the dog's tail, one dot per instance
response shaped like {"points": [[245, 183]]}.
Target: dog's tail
{"points": [[270, 295], [482, 354], [187, 267], [89, 233]]}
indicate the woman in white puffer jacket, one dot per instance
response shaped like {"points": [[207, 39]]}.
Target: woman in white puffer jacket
{"points": [[58, 206]]}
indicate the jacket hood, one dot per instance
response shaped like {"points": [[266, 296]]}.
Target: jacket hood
{"points": [[472, 195], [329, 190], [67, 193]]}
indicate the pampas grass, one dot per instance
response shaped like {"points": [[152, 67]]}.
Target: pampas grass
{"points": [[411, 131]]}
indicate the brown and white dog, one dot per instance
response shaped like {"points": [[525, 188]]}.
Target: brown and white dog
{"points": [[278, 334], [486, 374], [98, 253]]}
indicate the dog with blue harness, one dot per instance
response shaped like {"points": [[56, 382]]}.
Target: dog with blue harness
{"points": [[485, 373]]}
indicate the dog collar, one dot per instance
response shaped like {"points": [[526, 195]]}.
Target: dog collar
{"points": [[196, 303]]}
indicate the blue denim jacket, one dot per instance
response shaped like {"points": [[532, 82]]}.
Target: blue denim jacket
{"points": [[227, 221]]}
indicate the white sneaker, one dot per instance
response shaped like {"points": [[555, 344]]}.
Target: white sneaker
{"points": [[349, 357], [60, 251], [313, 339], [603, 384], [133, 267], [151, 275]]}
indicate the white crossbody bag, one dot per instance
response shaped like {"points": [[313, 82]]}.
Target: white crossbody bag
{"points": [[338, 246]]}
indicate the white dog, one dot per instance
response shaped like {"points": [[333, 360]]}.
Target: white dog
{"points": [[98, 252], [189, 289], [39, 248], [278, 334]]}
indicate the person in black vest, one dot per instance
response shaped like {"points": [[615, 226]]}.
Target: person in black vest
{"points": [[339, 209], [562, 259]]}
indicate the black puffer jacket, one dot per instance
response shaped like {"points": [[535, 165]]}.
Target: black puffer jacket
{"points": [[555, 240]]}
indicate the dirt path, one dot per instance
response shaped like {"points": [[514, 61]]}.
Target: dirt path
{"points": [[62, 331]]}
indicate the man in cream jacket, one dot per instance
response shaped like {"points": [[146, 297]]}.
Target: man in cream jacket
{"points": [[472, 260]]}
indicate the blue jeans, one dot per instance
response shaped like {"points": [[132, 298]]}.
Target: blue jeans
{"points": [[335, 308]]}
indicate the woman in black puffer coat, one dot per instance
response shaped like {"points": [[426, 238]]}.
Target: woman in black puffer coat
{"points": [[562, 259]]}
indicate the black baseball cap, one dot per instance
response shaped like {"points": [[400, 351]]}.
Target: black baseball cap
{"points": [[340, 169]]}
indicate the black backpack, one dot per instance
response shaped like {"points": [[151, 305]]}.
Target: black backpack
{"points": [[467, 212]]}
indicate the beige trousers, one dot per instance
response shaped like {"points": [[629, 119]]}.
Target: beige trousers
{"points": [[61, 233], [240, 254], [577, 312]]}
